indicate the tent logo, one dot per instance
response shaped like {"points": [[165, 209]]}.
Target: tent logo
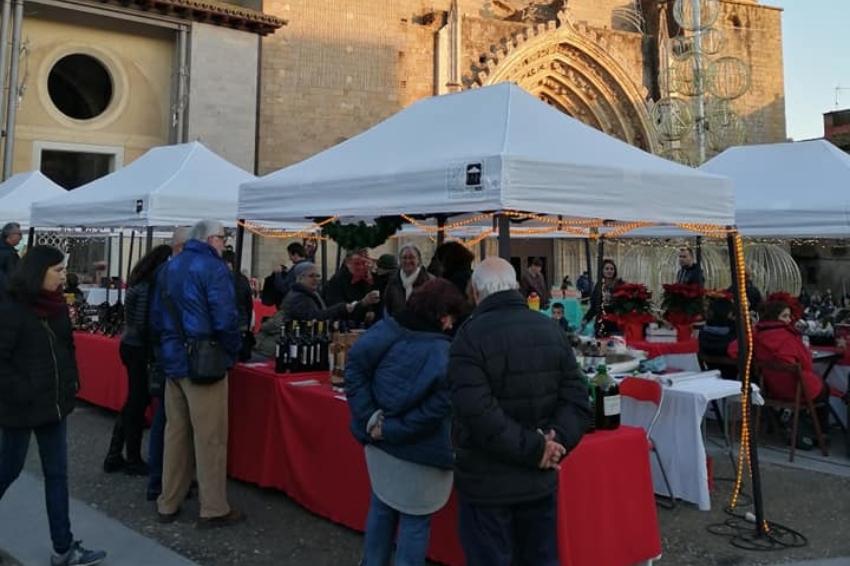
{"points": [[473, 175], [139, 206]]}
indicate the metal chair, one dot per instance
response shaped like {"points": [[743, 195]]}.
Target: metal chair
{"points": [[649, 391]]}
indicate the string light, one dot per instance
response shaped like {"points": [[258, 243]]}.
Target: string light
{"points": [[269, 232]]}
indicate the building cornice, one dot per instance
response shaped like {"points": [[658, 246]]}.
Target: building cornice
{"points": [[208, 12]]}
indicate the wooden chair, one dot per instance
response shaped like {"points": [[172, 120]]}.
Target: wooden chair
{"points": [[801, 395]]}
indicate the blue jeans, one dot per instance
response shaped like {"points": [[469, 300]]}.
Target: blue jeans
{"points": [[522, 534], [53, 451], [156, 444], [413, 534]]}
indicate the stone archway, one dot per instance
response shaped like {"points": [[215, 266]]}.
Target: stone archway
{"points": [[567, 68]]}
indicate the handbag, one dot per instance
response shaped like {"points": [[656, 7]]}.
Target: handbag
{"points": [[206, 358]]}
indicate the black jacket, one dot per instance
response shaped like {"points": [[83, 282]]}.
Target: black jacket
{"points": [[302, 304], [137, 327], [8, 262], [38, 367], [691, 275], [244, 300], [512, 372]]}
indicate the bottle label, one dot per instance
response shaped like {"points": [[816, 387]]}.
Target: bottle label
{"points": [[611, 406], [293, 352]]}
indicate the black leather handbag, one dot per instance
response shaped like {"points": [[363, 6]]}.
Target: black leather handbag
{"points": [[206, 358]]}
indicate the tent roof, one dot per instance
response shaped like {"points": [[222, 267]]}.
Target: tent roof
{"points": [[19, 191], [788, 189], [174, 185], [531, 157]]}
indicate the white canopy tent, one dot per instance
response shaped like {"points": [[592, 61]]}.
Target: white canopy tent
{"points": [[792, 189], [490, 149], [174, 185], [18, 193]]}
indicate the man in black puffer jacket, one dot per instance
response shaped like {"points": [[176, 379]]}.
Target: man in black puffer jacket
{"points": [[520, 404]]}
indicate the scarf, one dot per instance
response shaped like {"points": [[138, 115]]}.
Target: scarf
{"points": [[49, 304], [407, 281]]}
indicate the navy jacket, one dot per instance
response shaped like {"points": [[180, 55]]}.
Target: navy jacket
{"points": [[201, 288], [402, 371], [512, 372]]}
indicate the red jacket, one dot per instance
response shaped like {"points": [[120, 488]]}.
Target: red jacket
{"points": [[776, 341]]}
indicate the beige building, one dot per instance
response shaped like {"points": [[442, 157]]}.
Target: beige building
{"points": [[99, 83], [340, 67]]}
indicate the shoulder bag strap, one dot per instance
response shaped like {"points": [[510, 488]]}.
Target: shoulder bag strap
{"points": [[169, 306]]}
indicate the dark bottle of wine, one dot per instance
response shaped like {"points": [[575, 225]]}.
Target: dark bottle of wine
{"points": [[324, 346], [295, 348], [305, 348], [607, 396], [281, 359]]}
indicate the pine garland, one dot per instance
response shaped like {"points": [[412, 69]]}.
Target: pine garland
{"points": [[361, 235]]}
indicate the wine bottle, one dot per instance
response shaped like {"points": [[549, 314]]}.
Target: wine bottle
{"points": [[607, 397], [281, 359], [322, 343], [295, 348], [305, 347]]}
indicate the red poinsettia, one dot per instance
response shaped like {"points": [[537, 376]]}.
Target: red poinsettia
{"points": [[791, 301], [682, 303], [629, 303]]}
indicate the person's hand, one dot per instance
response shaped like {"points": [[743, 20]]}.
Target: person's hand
{"points": [[351, 306], [369, 317], [371, 298], [377, 431], [553, 452]]}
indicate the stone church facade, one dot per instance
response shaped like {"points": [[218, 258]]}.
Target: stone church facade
{"points": [[340, 67]]}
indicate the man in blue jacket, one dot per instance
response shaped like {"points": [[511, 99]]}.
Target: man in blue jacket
{"points": [[201, 293]]}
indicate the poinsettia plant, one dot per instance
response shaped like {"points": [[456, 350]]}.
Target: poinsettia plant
{"points": [[791, 301], [630, 303], [682, 303]]}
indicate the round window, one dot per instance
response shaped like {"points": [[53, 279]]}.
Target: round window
{"points": [[80, 86]]}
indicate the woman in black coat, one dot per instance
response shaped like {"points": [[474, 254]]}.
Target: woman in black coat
{"points": [[135, 350], [38, 382]]}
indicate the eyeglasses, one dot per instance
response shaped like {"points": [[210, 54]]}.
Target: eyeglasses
{"points": [[219, 236]]}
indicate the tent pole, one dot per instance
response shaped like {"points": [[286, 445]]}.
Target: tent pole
{"points": [[698, 251], [441, 234], [504, 224], [31, 238], [240, 242], [120, 264], [149, 239], [108, 263], [482, 250], [588, 261], [130, 255], [324, 250], [743, 355]]}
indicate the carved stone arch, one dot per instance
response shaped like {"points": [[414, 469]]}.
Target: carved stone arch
{"points": [[568, 68]]}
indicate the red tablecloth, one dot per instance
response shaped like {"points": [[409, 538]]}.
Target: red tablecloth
{"points": [[656, 349], [261, 311], [607, 514], [103, 379]]}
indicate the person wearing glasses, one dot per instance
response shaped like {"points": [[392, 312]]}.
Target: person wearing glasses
{"points": [[195, 300], [10, 237], [303, 301]]}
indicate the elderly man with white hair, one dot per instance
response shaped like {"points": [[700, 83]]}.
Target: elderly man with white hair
{"points": [[194, 306], [520, 405]]}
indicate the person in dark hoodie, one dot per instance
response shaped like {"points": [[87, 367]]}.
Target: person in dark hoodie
{"points": [[398, 393], [38, 384], [719, 331]]}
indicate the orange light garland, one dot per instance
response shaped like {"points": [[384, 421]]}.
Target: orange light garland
{"points": [[282, 233]]}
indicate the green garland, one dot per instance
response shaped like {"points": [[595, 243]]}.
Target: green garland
{"points": [[361, 235]]}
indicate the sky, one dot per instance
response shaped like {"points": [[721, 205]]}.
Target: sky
{"points": [[815, 52]]}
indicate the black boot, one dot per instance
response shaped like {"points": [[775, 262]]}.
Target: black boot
{"points": [[136, 467], [114, 461]]}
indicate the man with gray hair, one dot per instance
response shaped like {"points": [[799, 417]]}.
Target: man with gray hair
{"points": [[520, 405], [195, 301], [10, 237]]}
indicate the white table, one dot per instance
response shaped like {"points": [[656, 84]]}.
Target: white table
{"points": [[98, 295], [678, 434]]}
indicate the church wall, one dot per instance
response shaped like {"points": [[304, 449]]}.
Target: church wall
{"points": [[222, 111], [140, 64]]}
